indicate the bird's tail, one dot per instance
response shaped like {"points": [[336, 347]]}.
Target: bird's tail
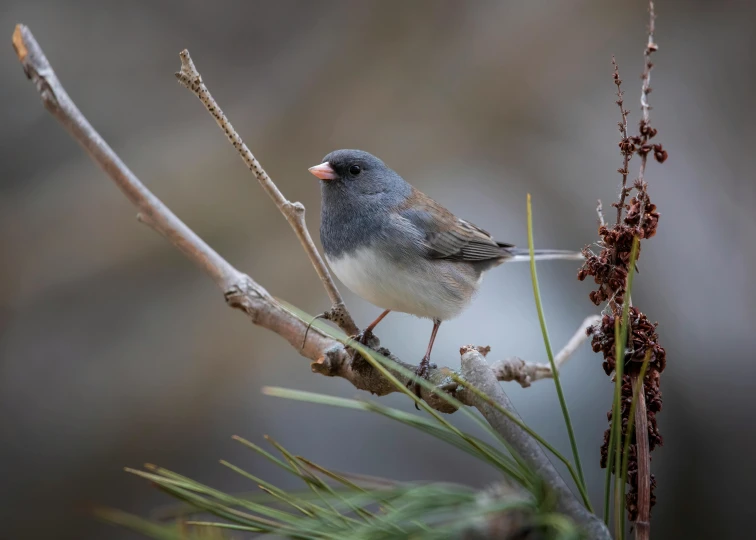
{"points": [[520, 255]]}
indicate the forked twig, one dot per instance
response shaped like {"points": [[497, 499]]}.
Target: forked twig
{"points": [[294, 212], [526, 373]]}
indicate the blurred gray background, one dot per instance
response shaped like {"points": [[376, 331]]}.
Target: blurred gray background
{"points": [[115, 351]]}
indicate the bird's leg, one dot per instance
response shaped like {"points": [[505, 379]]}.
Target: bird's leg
{"points": [[364, 336], [424, 367]]}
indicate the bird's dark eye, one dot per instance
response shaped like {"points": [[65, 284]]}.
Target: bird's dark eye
{"points": [[354, 170]]}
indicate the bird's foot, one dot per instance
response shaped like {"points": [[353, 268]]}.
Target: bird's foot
{"points": [[422, 371], [366, 338]]}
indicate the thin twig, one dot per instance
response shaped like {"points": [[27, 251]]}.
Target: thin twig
{"points": [[294, 212], [547, 344], [327, 352], [643, 522], [651, 47], [626, 147], [525, 373], [151, 210], [600, 212]]}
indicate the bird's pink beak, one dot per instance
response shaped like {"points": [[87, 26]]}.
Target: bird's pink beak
{"points": [[324, 171]]}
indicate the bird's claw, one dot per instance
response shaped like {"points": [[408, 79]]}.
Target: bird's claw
{"points": [[422, 371], [364, 337]]}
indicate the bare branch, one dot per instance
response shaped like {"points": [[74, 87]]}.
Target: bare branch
{"points": [[239, 289], [600, 212], [476, 370], [651, 48], [626, 148], [645, 125], [525, 373], [151, 210], [294, 213], [328, 355], [643, 521]]}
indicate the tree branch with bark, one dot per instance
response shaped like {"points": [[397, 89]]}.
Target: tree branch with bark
{"points": [[331, 352]]}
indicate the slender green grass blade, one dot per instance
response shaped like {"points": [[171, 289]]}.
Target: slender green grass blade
{"points": [[631, 424], [478, 448], [305, 528], [190, 485], [330, 474], [222, 508], [617, 417], [311, 509], [314, 482], [609, 465], [221, 525], [218, 509], [265, 454], [303, 506], [549, 352], [450, 518], [369, 517], [620, 342]]}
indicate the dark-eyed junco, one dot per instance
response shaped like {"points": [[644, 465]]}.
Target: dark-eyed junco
{"points": [[398, 248]]}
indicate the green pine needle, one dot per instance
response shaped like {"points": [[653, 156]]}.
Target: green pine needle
{"points": [[549, 353], [466, 442]]}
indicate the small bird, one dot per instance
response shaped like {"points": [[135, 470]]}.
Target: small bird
{"points": [[399, 249]]}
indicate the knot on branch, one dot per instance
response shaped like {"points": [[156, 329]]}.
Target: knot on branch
{"points": [[294, 208], [516, 369], [189, 76], [339, 315], [331, 363], [35, 65], [244, 295]]}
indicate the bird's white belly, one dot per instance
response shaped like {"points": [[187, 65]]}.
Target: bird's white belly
{"points": [[433, 289]]}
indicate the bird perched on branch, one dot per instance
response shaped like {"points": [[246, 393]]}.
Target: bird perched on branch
{"points": [[399, 249]]}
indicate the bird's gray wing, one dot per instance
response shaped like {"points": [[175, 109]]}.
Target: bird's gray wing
{"points": [[445, 236]]}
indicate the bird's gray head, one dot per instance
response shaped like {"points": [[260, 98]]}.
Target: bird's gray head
{"points": [[358, 191], [352, 175]]}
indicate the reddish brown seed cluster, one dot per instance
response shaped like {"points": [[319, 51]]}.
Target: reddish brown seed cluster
{"points": [[642, 203], [642, 338], [609, 268]]}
